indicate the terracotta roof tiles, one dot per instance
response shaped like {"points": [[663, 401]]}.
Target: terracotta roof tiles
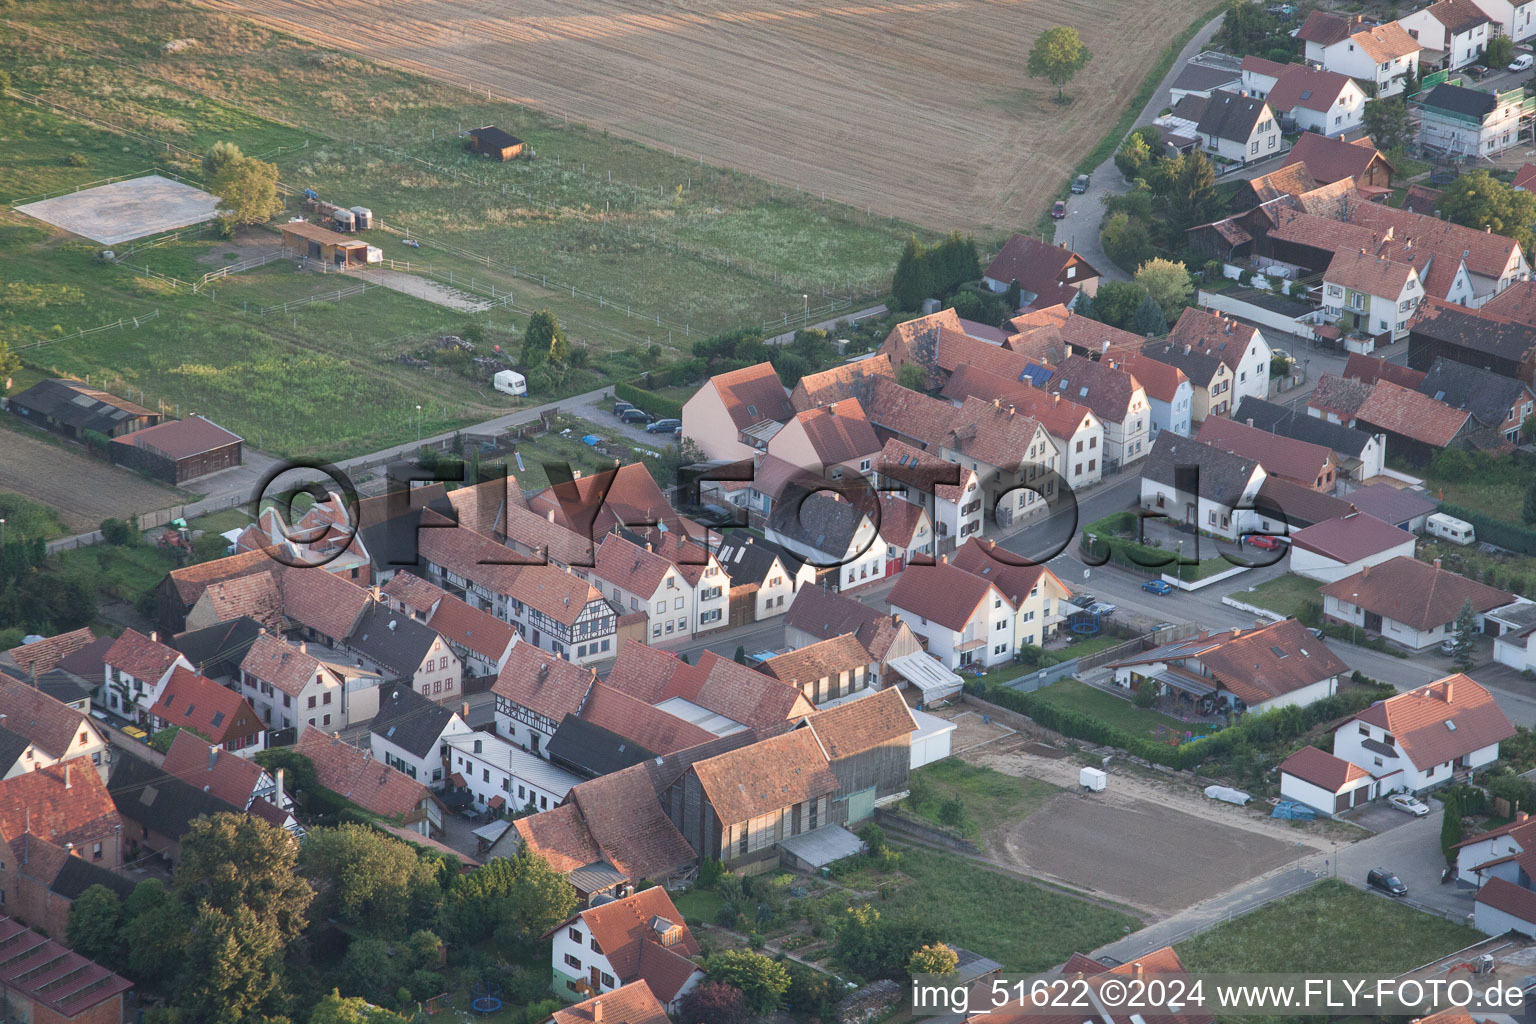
{"points": [[44, 655], [1393, 408], [1322, 769], [944, 593], [40, 802], [355, 774], [1420, 720], [543, 683], [855, 726], [1414, 593], [144, 659], [196, 702], [804, 666], [765, 776]]}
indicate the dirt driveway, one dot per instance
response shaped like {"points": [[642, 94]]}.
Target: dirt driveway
{"points": [[84, 490]]}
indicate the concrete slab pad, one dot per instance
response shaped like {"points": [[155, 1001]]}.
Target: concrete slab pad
{"points": [[125, 210]]}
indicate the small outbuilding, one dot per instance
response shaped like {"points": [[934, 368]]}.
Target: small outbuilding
{"points": [[1325, 783], [72, 408], [318, 243], [492, 141], [179, 450]]}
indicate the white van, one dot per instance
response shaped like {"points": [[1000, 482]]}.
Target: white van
{"points": [[510, 382], [1450, 528]]}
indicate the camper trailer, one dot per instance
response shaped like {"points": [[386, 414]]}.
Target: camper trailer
{"points": [[510, 382], [1457, 531]]}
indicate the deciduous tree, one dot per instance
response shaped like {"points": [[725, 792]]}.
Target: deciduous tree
{"points": [[95, 924], [247, 193], [1386, 122], [1499, 52], [1168, 284], [334, 1009], [232, 861], [10, 365], [761, 981], [155, 924], [934, 958], [520, 897], [1057, 55], [1126, 241], [232, 971], [368, 879], [714, 1002], [1478, 200], [1116, 303]]}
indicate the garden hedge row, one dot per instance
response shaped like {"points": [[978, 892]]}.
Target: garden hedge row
{"points": [[1494, 531], [649, 401]]}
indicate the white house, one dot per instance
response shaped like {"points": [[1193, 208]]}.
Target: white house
{"points": [[52, 732], [1199, 484], [290, 688], [1313, 100], [1408, 602], [1336, 548], [1502, 907], [1274, 666], [775, 574], [639, 938], [733, 415], [1233, 126], [679, 599], [828, 532], [1507, 852], [1377, 293], [1425, 737], [1511, 17], [1039, 597], [1325, 783], [1451, 33], [1116, 398], [137, 668], [949, 493], [1241, 347], [907, 531], [965, 619], [502, 777], [1383, 55], [1170, 395], [410, 734], [534, 692], [1468, 122]]}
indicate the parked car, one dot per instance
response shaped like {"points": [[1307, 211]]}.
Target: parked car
{"points": [[1477, 70], [1157, 587], [1082, 600], [619, 407], [1408, 804], [1080, 184], [633, 415], [663, 426], [1264, 542], [1059, 209], [1386, 881], [715, 515], [1522, 62], [1447, 648], [1103, 608]]}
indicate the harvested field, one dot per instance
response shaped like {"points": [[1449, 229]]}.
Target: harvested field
{"points": [[916, 108], [83, 490]]}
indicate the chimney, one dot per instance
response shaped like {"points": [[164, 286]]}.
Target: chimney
{"points": [[213, 757], [1136, 968], [1437, 563], [1521, 816], [464, 710], [1237, 631], [1250, 421], [550, 515], [154, 635], [66, 775], [279, 778], [1445, 692], [597, 1011], [832, 409], [303, 647]]}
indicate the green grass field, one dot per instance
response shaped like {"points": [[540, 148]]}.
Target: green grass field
{"points": [[659, 250], [989, 795], [1331, 927], [1283, 595], [1122, 714], [26, 519], [1023, 926]]}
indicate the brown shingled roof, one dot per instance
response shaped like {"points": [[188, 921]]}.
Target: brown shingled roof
{"points": [[1369, 273], [273, 660], [758, 779], [1160, 380], [49, 724], [325, 602], [1418, 720], [1283, 456], [144, 659], [543, 683], [1401, 411], [39, 802], [560, 837], [1322, 769], [839, 382], [229, 777], [634, 719], [198, 703], [838, 431], [1341, 396], [626, 820], [189, 582], [943, 593], [44, 655], [1373, 368], [858, 725], [1109, 388], [804, 666], [355, 774], [633, 1003], [752, 394], [1414, 593]]}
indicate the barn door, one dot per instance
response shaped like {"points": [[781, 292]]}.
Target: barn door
{"points": [[861, 805]]}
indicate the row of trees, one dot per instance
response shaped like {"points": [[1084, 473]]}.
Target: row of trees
{"points": [[933, 272]]}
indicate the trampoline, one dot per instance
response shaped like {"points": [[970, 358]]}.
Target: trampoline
{"points": [[487, 997]]}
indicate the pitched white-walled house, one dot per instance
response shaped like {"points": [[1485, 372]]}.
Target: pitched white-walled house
{"points": [[819, 614], [1210, 379], [1170, 395], [1377, 293], [966, 619], [1383, 55], [1312, 100], [410, 734], [1233, 126], [763, 575], [399, 648], [1425, 737], [1325, 783], [501, 777], [639, 938], [1116, 398], [1240, 346], [1408, 602], [1199, 484], [678, 599], [137, 668], [291, 688], [194, 702], [907, 531], [49, 731], [734, 415], [949, 493], [534, 692], [829, 441], [480, 639], [828, 532], [1011, 453], [1336, 548], [1451, 33], [1507, 852], [1274, 666], [1468, 122], [1511, 17], [1038, 595]]}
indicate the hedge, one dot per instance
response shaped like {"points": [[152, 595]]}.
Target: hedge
{"points": [[648, 401], [1495, 531], [1279, 725]]}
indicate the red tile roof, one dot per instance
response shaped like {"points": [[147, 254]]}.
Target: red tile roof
{"points": [[1341, 396], [79, 810], [839, 382], [44, 655], [1214, 334], [626, 821], [1109, 389], [228, 777], [1369, 273], [144, 659], [804, 666], [744, 695], [1160, 380], [543, 683], [1261, 664], [190, 582], [45, 974], [255, 596], [180, 439], [1420, 720], [1373, 368], [624, 496], [195, 702], [49, 724], [858, 725], [471, 628], [751, 395], [1039, 267], [1393, 408], [765, 776], [1414, 593], [640, 927], [352, 773], [1503, 895], [1301, 86], [1350, 538], [643, 672], [560, 837], [283, 665], [634, 719], [633, 1003], [626, 564], [943, 593], [921, 470], [1295, 460], [324, 601], [413, 593], [1517, 302], [1322, 769], [983, 558], [839, 432], [1326, 28]]}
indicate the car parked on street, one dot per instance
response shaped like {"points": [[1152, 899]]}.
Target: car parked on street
{"points": [[633, 415], [1264, 542], [1102, 608], [1522, 63], [1059, 209], [1080, 184], [620, 407], [1447, 648], [663, 426], [1157, 587], [1408, 804], [1386, 881]]}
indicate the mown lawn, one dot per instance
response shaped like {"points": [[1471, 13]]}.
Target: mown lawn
{"points": [[1023, 926], [988, 795], [1106, 707], [1283, 595], [1331, 927]]}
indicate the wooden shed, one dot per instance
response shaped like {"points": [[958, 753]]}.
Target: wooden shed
{"points": [[491, 141], [72, 408], [179, 450], [320, 243]]}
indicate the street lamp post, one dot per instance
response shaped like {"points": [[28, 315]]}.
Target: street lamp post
{"points": [[807, 299], [418, 424], [2, 535], [1355, 600]]}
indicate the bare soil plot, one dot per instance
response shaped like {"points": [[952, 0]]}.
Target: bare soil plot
{"points": [[422, 288], [916, 108], [973, 729], [84, 490], [125, 210]]}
